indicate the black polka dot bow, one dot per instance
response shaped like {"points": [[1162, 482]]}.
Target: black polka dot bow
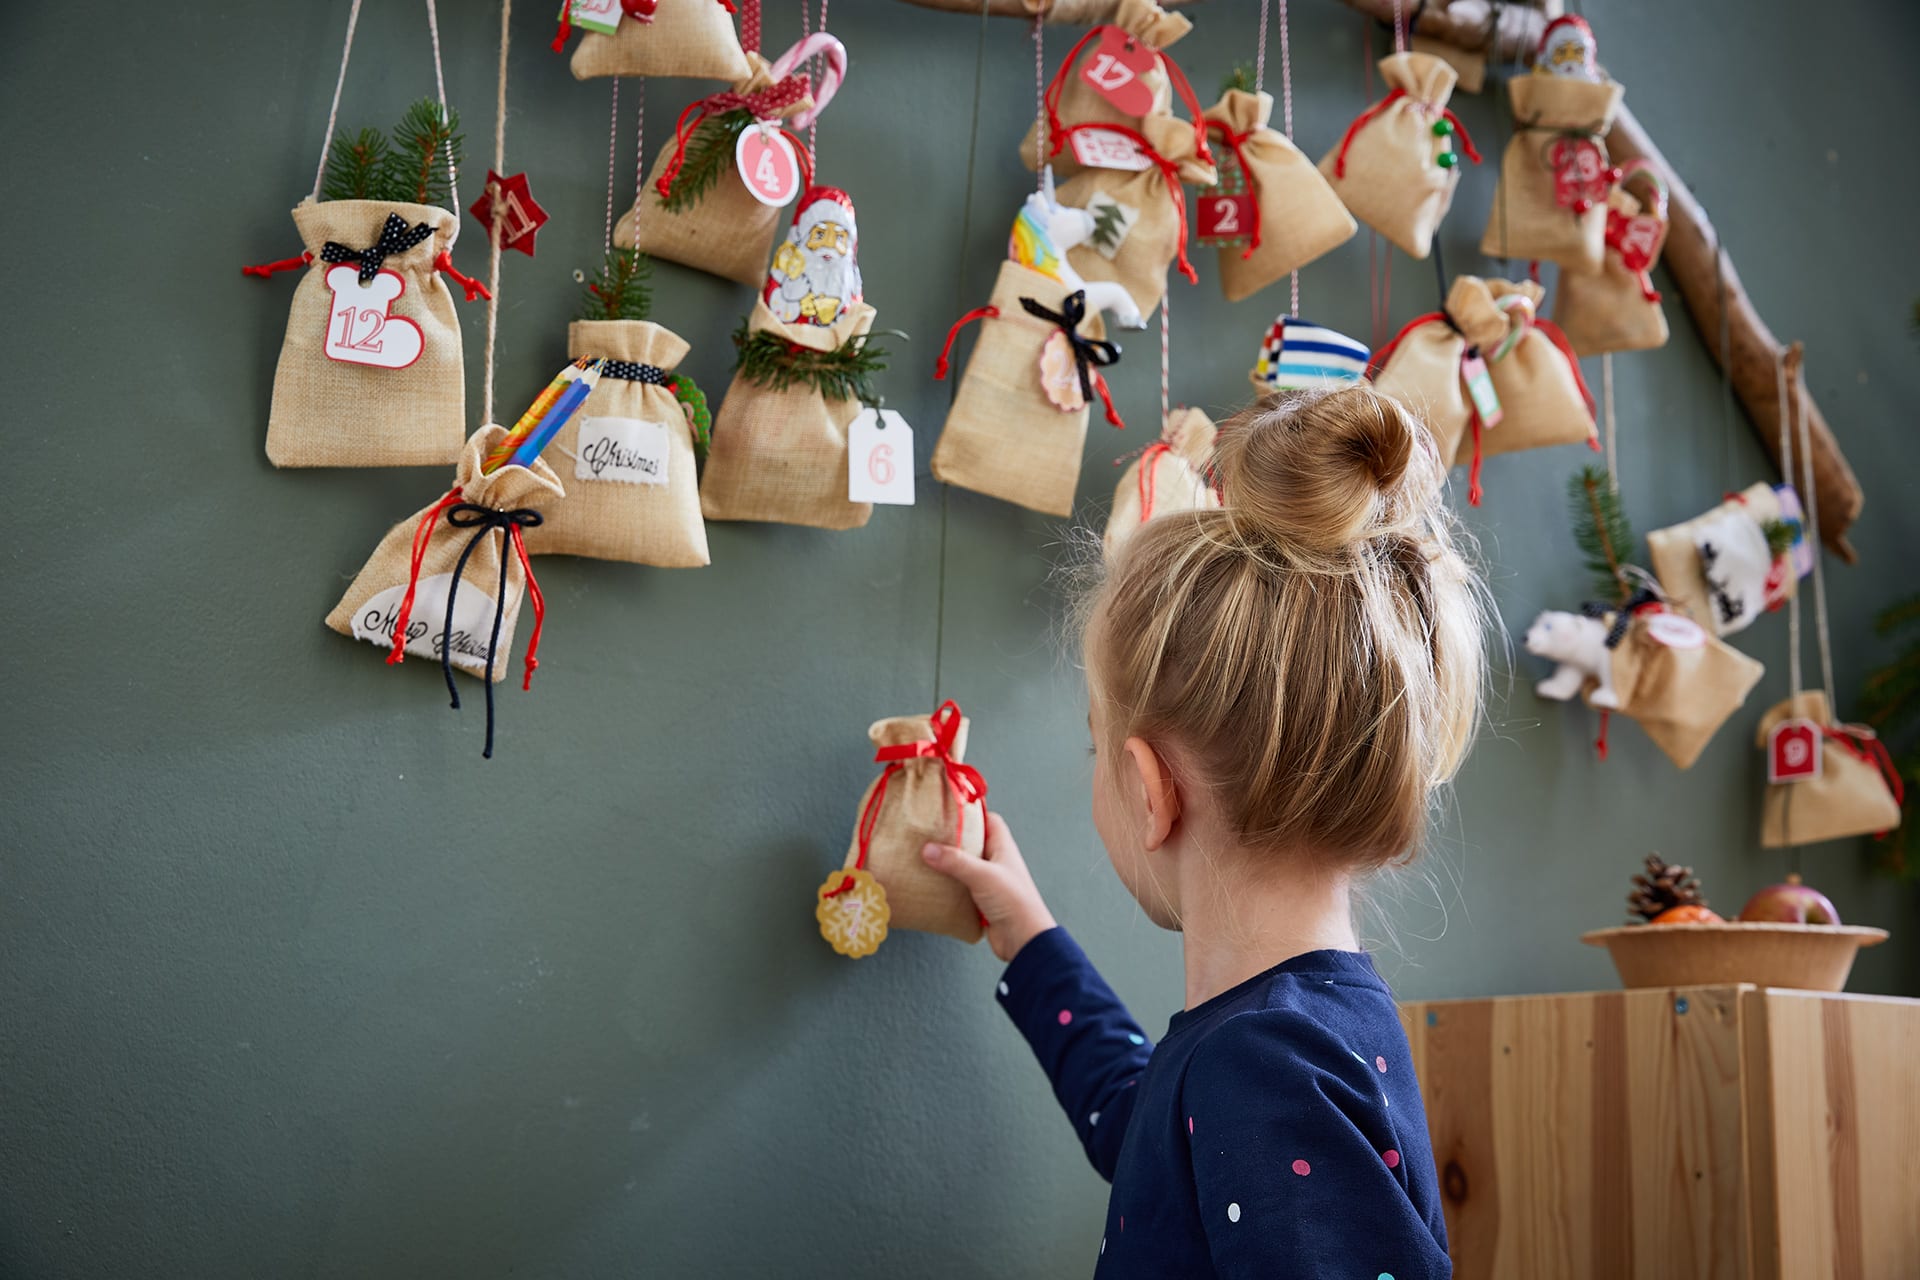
{"points": [[395, 237], [634, 371]]}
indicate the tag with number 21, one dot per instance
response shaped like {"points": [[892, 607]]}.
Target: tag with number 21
{"points": [[880, 458]]}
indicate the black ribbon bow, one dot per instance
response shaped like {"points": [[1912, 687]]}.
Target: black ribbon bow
{"points": [[395, 237], [634, 371], [1623, 613], [1087, 352], [482, 520]]}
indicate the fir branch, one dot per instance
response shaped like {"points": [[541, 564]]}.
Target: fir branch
{"points": [[416, 170], [709, 156], [1780, 536], [618, 290], [1601, 529], [844, 373], [354, 166], [1108, 224], [1241, 78]]}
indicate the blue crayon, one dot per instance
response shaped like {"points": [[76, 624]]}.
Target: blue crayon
{"points": [[556, 417]]}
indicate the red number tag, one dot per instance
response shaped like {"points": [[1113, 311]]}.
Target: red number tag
{"points": [[1115, 68], [1793, 751], [765, 161], [1225, 218]]}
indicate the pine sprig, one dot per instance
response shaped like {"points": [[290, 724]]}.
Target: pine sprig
{"points": [[354, 166], [1108, 224], [709, 157], [618, 290], [1601, 529], [1780, 536], [423, 142], [844, 373], [1241, 78]]}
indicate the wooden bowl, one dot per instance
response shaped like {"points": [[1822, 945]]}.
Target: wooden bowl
{"points": [[1810, 957]]}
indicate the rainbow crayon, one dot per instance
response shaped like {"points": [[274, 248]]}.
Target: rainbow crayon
{"points": [[497, 456], [555, 418]]}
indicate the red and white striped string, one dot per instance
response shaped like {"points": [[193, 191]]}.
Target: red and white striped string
{"points": [[613, 138], [1286, 110], [1166, 361], [813, 130], [1040, 140]]}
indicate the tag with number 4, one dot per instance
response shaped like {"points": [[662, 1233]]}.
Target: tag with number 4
{"points": [[880, 458]]}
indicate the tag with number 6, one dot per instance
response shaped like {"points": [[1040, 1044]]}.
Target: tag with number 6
{"points": [[880, 458]]}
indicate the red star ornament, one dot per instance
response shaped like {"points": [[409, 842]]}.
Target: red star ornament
{"points": [[521, 217]]}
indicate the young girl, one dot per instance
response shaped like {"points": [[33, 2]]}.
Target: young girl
{"points": [[1277, 689]]}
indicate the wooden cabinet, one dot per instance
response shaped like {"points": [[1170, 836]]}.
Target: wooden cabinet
{"points": [[1731, 1133]]}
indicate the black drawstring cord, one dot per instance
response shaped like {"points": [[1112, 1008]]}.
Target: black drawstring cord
{"points": [[482, 520]]}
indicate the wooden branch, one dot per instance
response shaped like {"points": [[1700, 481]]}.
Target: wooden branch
{"points": [[1085, 13], [1504, 33]]}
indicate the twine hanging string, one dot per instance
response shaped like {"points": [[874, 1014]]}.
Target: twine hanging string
{"points": [[1166, 359], [1782, 406], [333, 112], [1286, 113], [1810, 501], [498, 209], [440, 87]]}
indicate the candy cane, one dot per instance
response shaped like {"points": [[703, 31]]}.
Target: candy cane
{"points": [[819, 44]]}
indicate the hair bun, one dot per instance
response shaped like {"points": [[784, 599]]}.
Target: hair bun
{"points": [[1320, 472]]}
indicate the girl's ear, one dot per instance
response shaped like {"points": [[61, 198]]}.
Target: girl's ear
{"points": [[1159, 795]]}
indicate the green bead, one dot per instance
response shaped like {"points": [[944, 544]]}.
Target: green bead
{"points": [[1446, 159], [1442, 128]]}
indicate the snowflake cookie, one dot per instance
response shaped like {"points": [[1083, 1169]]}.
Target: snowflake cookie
{"points": [[852, 911]]}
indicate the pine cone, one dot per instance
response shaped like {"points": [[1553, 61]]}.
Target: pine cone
{"points": [[1662, 887]]}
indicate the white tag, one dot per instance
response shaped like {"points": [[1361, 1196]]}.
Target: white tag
{"points": [[597, 15], [1112, 221], [361, 327], [1674, 631], [472, 621], [626, 449], [880, 458], [765, 161], [1101, 149]]}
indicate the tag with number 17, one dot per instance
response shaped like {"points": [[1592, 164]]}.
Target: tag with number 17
{"points": [[880, 458]]}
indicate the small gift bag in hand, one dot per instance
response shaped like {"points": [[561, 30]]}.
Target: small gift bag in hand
{"points": [[1119, 73], [1825, 780], [450, 578], [1727, 567], [1169, 476], [1551, 200], [924, 795], [1271, 212], [1140, 215], [1617, 308], [689, 38], [1396, 167]]}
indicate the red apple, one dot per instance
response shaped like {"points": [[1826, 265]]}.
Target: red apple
{"points": [[1790, 903]]}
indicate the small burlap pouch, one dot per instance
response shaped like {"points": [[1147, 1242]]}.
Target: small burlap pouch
{"points": [[1295, 216], [1543, 397], [1678, 563], [1679, 681], [633, 493], [1617, 308], [1138, 27], [1551, 200], [345, 393], [1018, 424], [693, 39], [779, 453], [1153, 205], [1169, 476], [1858, 791], [1392, 169]]}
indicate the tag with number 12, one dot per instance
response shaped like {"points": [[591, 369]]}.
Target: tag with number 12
{"points": [[880, 458]]}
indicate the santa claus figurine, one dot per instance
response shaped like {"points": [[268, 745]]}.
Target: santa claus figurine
{"points": [[1567, 49], [815, 276]]}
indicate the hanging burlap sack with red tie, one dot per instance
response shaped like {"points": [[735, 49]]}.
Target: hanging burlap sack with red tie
{"points": [[1617, 308], [1676, 680], [1726, 568], [1271, 212], [451, 577], [690, 38], [1140, 215], [1169, 476], [633, 493], [694, 209], [924, 795], [1396, 167], [1544, 400], [1844, 781], [1119, 73]]}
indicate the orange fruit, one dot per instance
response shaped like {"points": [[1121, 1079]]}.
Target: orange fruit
{"points": [[1687, 915]]}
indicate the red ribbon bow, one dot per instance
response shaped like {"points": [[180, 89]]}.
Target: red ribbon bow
{"points": [[1866, 747], [963, 779], [766, 104], [1426, 108]]}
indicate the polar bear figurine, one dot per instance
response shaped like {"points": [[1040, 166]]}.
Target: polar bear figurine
{"points": [[1579, 645]]}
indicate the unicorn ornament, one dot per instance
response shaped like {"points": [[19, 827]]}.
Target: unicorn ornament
{"points": [[1043, 232]]}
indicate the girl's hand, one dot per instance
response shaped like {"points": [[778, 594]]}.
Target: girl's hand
{"points": [[1000, 885]]}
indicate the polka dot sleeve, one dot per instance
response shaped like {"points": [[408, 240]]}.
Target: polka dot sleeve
{"points": [[1088, 1044]]}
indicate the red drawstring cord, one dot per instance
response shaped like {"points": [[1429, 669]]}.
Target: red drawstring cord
{"points": [[474, 289], [539, 606], [1360, 122], [266, 269], [1148, 477], [1169, 172], [1871, 750], [869, 819], [1460, 132], [765, 104], [1559, 340], [1235, 141], [964, 780], [1059, 82], [422, 534], [1385, 353], [1175, 77], [1181, 86], [1106, 398], [940, 366], [566, 27], [1473, 470], [1600, 743]]}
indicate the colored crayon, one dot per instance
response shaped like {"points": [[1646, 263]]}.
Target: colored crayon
{"points": [[498, 456], [556, 417]]}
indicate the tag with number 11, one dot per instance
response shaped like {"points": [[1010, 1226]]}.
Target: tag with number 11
{"points": [[880, 458]]}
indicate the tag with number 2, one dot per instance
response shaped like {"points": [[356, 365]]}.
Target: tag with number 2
{"points": [[880, 458]]}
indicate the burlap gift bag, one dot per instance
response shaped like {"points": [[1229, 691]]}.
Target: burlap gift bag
{"points": [[1295, 216], [924, 795], [1395, 169], [1720, 596], [1150, 222], [1617, 308], [1169, 476], [779, 452], [1019, 421], [1421, 367], [1550, 202], [370, 372], [1140, 28], [633, 492], [1857, 791], [722, 229], [1544, 400], [1679, 682], [689, 38]]}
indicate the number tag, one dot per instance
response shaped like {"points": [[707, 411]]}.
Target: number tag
{"points": [[1793, 751], [595, 15], [1486, 401], [1674, 631], [361, 326], [1225, 219], [1104, 149], [1115, 69], [765, 161], [880, 458]]}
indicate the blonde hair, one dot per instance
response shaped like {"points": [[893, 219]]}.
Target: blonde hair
{"points": [[1314, 646]]}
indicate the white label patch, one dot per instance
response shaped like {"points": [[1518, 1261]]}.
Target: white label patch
{"points": [[472, 621], [1112, 221], [626, 449], [880, 458], [1099, 149], [597, 15]]}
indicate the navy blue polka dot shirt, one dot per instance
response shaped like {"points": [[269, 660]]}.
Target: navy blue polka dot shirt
{"points": [[1276, 1131]]}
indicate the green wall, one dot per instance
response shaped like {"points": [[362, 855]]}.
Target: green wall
{"points": [[293, 984]]}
